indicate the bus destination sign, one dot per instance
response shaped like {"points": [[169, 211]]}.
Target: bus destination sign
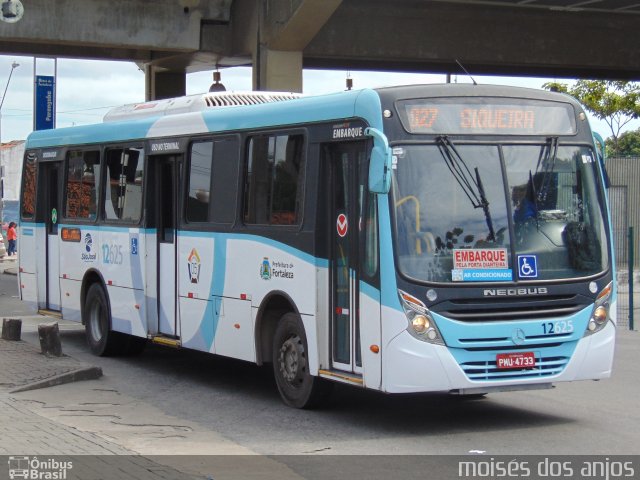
{"points": [[445, 118]]}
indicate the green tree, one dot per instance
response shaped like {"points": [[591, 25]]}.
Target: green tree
{"points": [[616, 102], [628, 144]]}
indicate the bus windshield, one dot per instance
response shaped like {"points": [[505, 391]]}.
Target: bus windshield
{"points": [[469, 212]]}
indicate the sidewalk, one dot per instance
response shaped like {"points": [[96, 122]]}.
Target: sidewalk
{"points": [[9, 265], [24, 368], [103, 433], [24, 432]]}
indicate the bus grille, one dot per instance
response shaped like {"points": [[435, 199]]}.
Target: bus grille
{"points": [[488, 371], [483, 310]]}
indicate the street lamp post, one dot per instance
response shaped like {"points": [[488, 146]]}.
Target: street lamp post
{"points": [[14, 65]]}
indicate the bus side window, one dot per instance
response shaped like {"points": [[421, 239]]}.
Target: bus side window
{"points": [[83, 176], [124, 175], [200, 161], [29, 187], [224, 184], [273, 180]]}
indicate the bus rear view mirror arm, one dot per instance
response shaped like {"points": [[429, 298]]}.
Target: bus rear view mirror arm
{"points": [[380, 164]]}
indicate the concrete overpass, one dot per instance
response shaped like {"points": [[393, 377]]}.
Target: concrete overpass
{"points": [[559, 38]]}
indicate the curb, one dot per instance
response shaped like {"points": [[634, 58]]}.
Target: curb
{"points": [[11, 271], [85, 373]]}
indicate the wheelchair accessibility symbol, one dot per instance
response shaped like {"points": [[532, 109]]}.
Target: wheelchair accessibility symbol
{"points": [[527, 266]]}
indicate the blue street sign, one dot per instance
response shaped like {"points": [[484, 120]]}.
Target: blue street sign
{"points": [[45, 107]]}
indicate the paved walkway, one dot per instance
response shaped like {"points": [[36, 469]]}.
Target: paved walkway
{"points": [[23, 367], [25, 433], [39, 424], [9, 265]]}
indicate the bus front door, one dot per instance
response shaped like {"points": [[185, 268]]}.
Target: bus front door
{"points": [[52, 173], [165, 195], [346, 197]]}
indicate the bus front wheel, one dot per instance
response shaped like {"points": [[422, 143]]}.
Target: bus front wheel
{"points": [[297, 387], [97, 321]]}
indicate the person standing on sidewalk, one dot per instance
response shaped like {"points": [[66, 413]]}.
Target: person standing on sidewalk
{"points": [[12, 238]]}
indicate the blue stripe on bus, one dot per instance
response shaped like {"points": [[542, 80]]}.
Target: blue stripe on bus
{"points": [[389, 294], [370, 291], [97, 133], [368, 106], [291, 112], [219, 275], [318, 262]]}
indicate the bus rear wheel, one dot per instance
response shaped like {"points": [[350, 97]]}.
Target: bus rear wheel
{"points": [[97, 322], [297, 387]]}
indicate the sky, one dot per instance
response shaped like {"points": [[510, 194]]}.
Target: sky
{"points": [[87, 89]]}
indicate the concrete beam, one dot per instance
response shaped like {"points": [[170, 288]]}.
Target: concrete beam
{"points": [[162, 25], [166, 33], [429, 36], [404, 35], [161, 83], [277, 71], [245, 18], [291, 28]]}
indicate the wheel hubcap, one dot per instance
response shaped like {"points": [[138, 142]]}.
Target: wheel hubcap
{"points": [[95, 316], [292, 360]]}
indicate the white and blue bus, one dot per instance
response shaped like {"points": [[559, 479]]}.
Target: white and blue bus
{"points": [[429, 238]]}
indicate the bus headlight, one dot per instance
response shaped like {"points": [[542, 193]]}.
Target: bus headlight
{"points": [[421, 323], [600, 314]]}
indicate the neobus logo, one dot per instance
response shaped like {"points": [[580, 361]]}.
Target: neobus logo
{"points": [[514, 292]]}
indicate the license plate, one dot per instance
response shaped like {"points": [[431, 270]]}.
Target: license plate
{"points": [[516, 360]]}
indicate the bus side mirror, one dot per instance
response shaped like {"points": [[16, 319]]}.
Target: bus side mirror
{"points": [[380, 163]]}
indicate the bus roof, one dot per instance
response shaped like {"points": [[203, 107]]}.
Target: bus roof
{"points": [[305, 109], [194, 103], [350, 104], [470, 90]]}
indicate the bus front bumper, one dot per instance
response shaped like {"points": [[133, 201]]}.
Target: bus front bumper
{"points": [[412, 365]]}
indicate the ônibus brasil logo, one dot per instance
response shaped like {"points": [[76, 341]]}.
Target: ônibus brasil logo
{"points": [[34, 468]]}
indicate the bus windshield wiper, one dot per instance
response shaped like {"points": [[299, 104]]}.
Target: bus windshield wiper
{"points": [[546, 160], [472, 187]]}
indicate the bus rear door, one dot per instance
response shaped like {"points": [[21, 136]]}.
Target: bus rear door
{"points": [[162, 200], [51, 174]]}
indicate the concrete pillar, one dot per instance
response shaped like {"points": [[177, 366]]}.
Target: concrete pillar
{"points": [[162, 83], [277, 71]]}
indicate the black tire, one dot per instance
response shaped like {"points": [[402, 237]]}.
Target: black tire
{"points": [[97, 323], [297, 387]]}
